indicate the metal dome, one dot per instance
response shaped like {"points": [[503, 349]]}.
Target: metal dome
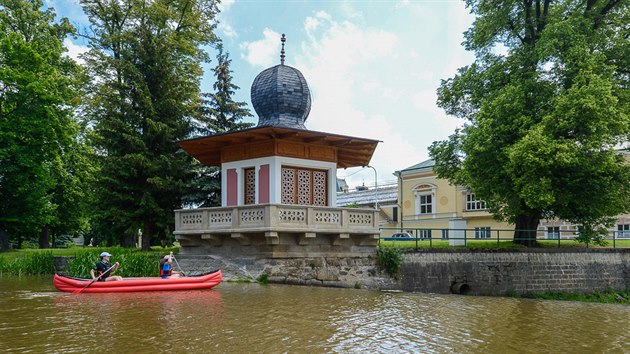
{"points": [[281, 97]]}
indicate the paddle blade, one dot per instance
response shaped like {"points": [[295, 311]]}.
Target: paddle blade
{"points": [[78, 291]]}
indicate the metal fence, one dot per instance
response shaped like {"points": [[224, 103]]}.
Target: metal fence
{"points": [[484, 237]]}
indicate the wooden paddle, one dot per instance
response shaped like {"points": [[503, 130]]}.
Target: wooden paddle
{"points": [[95, 279], [180, 268]]}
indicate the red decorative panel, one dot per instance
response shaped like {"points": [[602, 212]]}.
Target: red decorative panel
{"points": [[263, 184], [232, 187]]}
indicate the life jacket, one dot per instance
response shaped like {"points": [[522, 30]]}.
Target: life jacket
{"points": [[166, 273], [98, 272]]}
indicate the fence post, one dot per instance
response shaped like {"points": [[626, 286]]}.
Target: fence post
{"points": [[416, 234], [465, 239], [498, 244]]}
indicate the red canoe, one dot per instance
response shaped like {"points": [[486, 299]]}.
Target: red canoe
{"points": [[203, 281]]}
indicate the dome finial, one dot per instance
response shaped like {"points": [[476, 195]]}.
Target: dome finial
{"points": [[283, 39]]}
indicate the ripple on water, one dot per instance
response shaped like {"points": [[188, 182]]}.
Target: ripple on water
{"points": [[237, 318]]}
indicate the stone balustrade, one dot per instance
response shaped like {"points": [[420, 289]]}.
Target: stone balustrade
{"points": [[295, 229]]}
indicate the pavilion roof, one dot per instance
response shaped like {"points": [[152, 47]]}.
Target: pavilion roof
{"points": [[351, 151]]}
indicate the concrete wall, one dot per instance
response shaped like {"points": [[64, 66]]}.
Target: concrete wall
{"points": [[504, 272]]}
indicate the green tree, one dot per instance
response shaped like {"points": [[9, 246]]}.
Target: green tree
{"points": [[37, 96], [543, 120], [146, 60], [219, 114]]}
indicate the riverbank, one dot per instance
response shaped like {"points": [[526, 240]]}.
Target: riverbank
{"points": [[558, 274], [606, 297], [78, 261]]}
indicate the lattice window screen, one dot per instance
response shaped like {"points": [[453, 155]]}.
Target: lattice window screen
{"points": [[319, 188], [288, 185], [250, 186], [304, 186]]}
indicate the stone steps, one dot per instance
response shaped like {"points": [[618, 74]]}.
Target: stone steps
{"points": [[199, 264]]}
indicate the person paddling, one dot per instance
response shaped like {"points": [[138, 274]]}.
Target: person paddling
{"points": [[166, 267], [102, 269]]}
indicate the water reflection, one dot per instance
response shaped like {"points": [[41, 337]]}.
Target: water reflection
{"points": [[238, 318]]}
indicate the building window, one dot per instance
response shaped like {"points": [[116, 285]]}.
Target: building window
{"points": [[425, 203], [445, 234], [250, 186], [425, 199], [304, 186], [425, 234], [623, 231], [473, 204], [482, 232], [553, 232]]}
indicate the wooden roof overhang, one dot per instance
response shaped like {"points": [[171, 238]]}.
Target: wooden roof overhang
{"points": [[346, 151]]}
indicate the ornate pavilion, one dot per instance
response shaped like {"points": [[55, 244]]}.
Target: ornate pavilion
{"points": [[278, 182]]}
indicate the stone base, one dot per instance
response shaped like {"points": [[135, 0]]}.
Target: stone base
{"points": [[279, 245], [317, 271]]}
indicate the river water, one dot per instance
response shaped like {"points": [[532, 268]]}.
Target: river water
{"points": [[242, 318]]}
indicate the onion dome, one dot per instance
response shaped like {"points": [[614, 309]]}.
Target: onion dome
{"points": [[281, 96]]}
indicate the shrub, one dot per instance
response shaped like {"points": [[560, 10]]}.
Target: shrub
{"points": [[35, 264], [389, 259], [263, 279], [133, 262]]}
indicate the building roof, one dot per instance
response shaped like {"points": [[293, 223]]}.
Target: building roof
{"points": [[387, 194], [281, 97], [427, 164], [351, 151]]}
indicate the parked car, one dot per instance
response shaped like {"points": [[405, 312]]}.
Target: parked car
{"points": [[402, 235]]}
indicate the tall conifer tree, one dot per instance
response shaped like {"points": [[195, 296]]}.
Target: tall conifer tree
{"points": [[146, 59], [220, 114]]}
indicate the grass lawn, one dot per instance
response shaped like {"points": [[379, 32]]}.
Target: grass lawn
{"points": [[74, 251], [506, 244]]}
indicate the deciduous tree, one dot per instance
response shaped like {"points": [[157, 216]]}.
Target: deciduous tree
{"points": [[546, 104], [37, 96]]}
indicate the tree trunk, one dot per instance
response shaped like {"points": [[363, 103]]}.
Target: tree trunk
{"points": [[4, 239], [44, 241], [525, 231], [129, 240], [146, 236]]}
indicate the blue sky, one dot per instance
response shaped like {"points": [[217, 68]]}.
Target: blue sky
{"points": [[373, 67]]}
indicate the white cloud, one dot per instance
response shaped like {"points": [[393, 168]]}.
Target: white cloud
{"points": [[341, 66], [402, 4], [225, 5], [227, 29], [263, 52], [311, 24], [224, 26], [75, 50], [71, 9]]}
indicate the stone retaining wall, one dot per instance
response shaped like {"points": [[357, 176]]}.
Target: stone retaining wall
{"points": [[476, 272], [358, 272], [507, 272]]}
